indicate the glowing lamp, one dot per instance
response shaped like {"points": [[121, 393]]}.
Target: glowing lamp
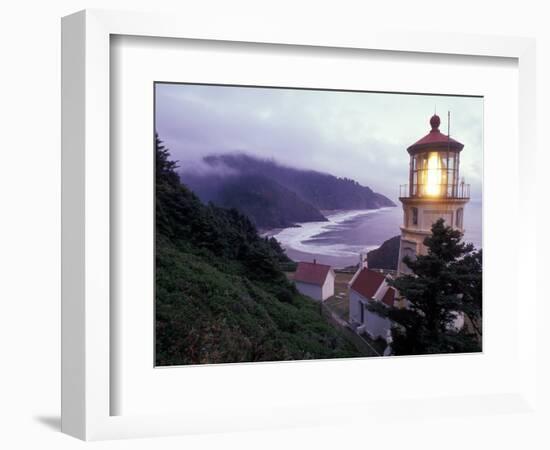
{"points": [[433, 175]]}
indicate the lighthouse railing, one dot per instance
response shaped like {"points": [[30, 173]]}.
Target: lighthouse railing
{"points": [[458, 191]]}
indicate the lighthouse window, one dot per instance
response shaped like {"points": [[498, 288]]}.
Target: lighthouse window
{"points": [[415, 216], [452, 161], [459, 213]]}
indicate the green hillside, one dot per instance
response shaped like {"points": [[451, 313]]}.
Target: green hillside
{"points": [[220, 293]]}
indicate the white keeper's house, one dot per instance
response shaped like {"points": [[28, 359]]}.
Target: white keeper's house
{"points": [[365, 287], [315, 280]]}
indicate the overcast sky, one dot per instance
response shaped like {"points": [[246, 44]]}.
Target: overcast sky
{"points": [[362, 135]]}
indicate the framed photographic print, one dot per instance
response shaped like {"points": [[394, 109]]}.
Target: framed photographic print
{"points": [[253, 218], [268, 201]]}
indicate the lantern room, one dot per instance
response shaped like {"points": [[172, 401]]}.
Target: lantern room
{"points": [[434, 167]]}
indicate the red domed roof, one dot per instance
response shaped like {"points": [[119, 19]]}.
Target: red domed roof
{"points": [[435, 139]]}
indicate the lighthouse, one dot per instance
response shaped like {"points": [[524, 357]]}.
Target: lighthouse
{"points": [[435, 190]]}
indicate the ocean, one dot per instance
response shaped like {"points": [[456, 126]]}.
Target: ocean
{"points": [[339, 241]]}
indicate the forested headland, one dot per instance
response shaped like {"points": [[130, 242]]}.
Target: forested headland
{"points": [[221, 294]]}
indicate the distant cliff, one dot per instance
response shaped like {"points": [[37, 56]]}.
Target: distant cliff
{"points": [[385, 256], [267, 202], [273, 195]]}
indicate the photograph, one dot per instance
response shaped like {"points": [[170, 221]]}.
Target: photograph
{"points": [[305, 224]]}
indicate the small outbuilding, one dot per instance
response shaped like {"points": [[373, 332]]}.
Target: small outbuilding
{"points": [[315, 280], [370, 286]]}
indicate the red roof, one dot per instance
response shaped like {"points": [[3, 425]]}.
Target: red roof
{"points": [[435, 139], [312, 273], [389, 297], [367, 282]]}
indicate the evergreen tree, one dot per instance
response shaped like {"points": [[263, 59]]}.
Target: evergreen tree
{"points": [[220, 293], [445, 283], [165, 168]]}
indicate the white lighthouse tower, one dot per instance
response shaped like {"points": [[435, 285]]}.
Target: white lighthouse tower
{"points": [[434, 191]]}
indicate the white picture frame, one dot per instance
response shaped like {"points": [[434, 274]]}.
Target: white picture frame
{"points": [[86, 246]]}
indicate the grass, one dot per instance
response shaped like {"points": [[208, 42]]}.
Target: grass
{"points": [[339, 302]]}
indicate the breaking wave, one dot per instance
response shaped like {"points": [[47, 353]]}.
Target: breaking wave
{"points": [[308, 237]]}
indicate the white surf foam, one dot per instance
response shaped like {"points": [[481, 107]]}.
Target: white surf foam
{"points": [[298, 238]]}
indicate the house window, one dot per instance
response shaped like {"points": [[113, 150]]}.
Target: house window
{"points": [[362, 307], [415, 216]]}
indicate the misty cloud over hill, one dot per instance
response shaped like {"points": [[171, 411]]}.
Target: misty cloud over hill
{"points": [[273, 195]]}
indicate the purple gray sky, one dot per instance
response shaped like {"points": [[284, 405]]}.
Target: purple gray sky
{"points": [[359, 135]]}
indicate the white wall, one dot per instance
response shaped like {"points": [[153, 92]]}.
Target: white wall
{"points": [[406, 248], [318, 292], [429, 213], [30, 236], [328, 286], [377, 326], [311, 290], [355, 305]]}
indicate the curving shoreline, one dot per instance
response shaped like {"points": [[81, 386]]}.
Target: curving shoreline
{"points": [[307, 238], [339, 240]]}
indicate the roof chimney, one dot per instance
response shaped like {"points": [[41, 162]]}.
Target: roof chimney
{"points": [[314, 261], [363, 260]]}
